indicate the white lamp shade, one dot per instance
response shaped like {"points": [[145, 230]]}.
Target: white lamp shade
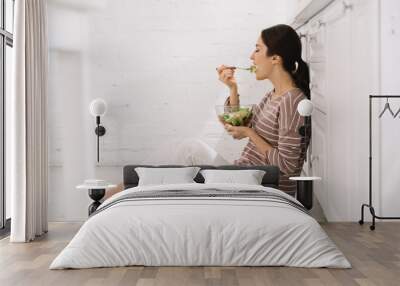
{"points": [[305, 107], [98, 107]]}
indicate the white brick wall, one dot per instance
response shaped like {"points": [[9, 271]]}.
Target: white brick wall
{"points": [[154, 63]]}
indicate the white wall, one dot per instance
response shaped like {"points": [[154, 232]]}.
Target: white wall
{"points": [[357, 48], [387, 161], [154, 63]]}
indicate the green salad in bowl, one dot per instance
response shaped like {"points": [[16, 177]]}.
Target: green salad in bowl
{"points": [[235, 115]]}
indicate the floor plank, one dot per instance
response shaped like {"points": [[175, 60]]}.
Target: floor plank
{"points": [[375, 257]]}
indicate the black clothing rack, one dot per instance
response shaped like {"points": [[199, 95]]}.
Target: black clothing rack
{"points": [[369, 205]]}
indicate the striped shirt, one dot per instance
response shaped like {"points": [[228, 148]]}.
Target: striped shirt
{"points": [[277, 121]]}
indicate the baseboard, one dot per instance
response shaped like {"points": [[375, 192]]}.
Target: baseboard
{"points": [[63, 220]]}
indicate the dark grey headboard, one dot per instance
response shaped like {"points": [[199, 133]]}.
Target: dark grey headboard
{"points": [[271, 177]]}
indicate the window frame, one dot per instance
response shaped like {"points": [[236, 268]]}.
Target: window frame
{"points": [[6, 39]]}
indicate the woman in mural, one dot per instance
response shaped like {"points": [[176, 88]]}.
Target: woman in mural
{"points": [[273, 129]]}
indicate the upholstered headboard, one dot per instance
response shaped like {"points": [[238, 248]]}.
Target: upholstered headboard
{"points": [[271, 177]]}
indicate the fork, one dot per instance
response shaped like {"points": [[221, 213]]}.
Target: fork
{"points": [[250, 69]]}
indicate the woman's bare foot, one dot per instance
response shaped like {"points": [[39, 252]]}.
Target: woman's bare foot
{"points": [[112, 191]]}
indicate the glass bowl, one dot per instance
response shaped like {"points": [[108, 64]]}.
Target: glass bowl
{"points": [[235, 115]]}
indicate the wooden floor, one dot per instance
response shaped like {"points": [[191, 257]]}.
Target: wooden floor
{"points": [[375, 257]]}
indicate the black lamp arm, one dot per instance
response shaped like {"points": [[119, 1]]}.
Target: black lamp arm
{"points": [[305, 132], [100, 131], [305, 129]]}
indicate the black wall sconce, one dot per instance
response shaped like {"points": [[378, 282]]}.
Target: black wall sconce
{"points": [[305, 109], [98, 108], [305, 184]]}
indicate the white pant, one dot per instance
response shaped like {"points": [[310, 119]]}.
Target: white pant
{"points": [[196, 152]]}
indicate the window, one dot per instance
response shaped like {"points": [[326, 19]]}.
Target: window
{"points": [[9, 17], [6, 44]]}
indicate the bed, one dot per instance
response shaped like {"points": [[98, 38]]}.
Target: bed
{"points": [[198, 224]]}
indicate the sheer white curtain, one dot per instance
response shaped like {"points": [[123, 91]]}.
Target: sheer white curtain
{"points": [[28, 122]]}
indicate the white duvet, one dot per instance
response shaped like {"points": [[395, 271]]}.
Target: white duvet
{"points": [[200, 231]]}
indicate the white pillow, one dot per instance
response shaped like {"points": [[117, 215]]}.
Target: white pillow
{"points": [[163, 176], [248, 177]]}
